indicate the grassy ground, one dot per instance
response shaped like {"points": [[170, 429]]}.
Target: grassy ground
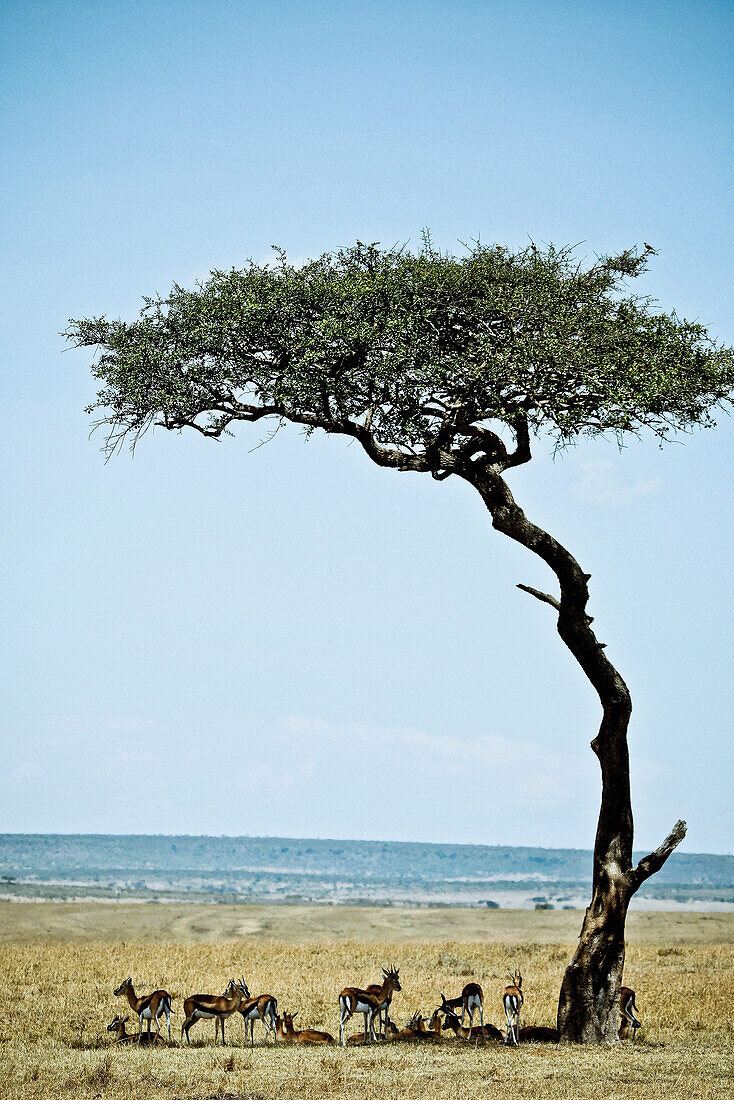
{"points": [[56, 999]]}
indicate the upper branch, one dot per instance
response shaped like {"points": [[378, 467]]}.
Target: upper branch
{"points": [[544, 597], [652, 863]]}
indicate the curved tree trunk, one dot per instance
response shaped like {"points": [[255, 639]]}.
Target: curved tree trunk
{"points": [[588, 1008]]}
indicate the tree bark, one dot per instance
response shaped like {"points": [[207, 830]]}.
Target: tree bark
{"points": [[588, 1008]]}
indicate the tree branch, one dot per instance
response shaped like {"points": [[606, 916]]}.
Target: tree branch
{"points": [[652, 863], [544, 597], [522, 452]]}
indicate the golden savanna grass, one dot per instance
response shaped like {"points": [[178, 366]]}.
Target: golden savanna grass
{"points": [[57, 1000]]}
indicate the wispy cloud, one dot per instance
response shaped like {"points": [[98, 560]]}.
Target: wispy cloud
{"points": [[603, 484]]}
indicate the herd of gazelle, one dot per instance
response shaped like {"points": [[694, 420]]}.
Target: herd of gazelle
{"points": [[372, 1003]]}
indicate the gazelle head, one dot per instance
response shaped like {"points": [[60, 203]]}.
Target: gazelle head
{"points": [[242, 986], [450, 1019], [118, 1024], [127, 984], [515, 978], [392, 978], [434, 1024]]}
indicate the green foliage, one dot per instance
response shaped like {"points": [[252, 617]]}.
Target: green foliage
{"points": [[412, 351]]}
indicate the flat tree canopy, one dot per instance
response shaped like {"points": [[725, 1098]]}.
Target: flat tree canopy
{"points": [[415, 355], [450, 366]]}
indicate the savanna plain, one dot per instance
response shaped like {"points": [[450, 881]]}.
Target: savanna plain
{"points": [[61, 962]]}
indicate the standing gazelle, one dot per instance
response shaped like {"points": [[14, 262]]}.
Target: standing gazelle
{"points": [[204, 1006], [512, 1000], [148, 1008], [383, 1014], [263, 1007], [470, 1000], [627, 1019], [353, 1000]]}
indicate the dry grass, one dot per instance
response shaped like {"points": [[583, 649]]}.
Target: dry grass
{"points": [[57, 999]]}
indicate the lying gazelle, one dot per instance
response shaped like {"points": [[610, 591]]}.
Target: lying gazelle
{"points": [[123, 1036], [434, 1024], [452, 1022], [205, 1006], [470, 1000], [352, 1000], [512, 1000], [263, 1007], [148, 1008], [417, 1029], [414, 1030], [285, 1029], [628, 1021], [538, 1034]]}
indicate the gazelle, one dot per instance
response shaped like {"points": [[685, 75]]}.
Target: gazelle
{"points": [[452, 1022], [123, 1036], [205, 1006], [264, 1007], [628, 1021], [434, 1024], [289, 1034], [384, 1013], [353, 1000], [410, 1032], [470, 1000], [512, 1000], [538, 1034], [148, 1008]]}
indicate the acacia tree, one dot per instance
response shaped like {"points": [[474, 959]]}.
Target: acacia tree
{"points": [[446, 366]]}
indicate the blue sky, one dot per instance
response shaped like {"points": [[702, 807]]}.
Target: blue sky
{"points": [[287, 640]]}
